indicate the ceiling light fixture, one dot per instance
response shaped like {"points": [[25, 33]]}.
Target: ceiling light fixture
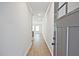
{"points": [[39, 14]]}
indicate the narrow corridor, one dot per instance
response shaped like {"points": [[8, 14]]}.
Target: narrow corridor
{"points": [[39, 47]]}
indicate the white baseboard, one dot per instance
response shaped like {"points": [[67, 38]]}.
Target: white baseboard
{"points": [[28, 49], [47, 44]]}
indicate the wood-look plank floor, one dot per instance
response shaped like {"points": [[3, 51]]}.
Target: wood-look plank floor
{"points": [[39, 47]]}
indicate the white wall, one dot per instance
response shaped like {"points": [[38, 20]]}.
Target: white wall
{"points": [[15, 29], [48, 27]]}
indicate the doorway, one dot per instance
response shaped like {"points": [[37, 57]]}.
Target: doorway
{"points": [[37, 28]]}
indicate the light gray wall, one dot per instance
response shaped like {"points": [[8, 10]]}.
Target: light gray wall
{"points": [[15, 29]]}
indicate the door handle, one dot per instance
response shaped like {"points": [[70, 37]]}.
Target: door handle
{"points": [[53, 43]]}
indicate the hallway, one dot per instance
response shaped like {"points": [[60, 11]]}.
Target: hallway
{"points": [[39, 47], [55, 26], [17, 21]]}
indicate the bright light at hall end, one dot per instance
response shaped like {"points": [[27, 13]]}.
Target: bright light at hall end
{"points": [[39, 14]]}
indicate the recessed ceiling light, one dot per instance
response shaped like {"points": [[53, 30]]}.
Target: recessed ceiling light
{"points": [[39, 14]]}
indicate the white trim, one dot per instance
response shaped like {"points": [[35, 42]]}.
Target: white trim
{"points": [[67, 41], [56, 40], [47, 9], [30, 45], [47, 44]]}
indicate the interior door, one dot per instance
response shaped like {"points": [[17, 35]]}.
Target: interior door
{"points": [[60, 42], [73, 41]]}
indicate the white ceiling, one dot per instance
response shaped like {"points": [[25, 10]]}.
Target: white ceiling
{"points": [[39, 7]]}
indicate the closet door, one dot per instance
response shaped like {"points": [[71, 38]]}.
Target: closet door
{"points": [[61, 37], [73, 41]]}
